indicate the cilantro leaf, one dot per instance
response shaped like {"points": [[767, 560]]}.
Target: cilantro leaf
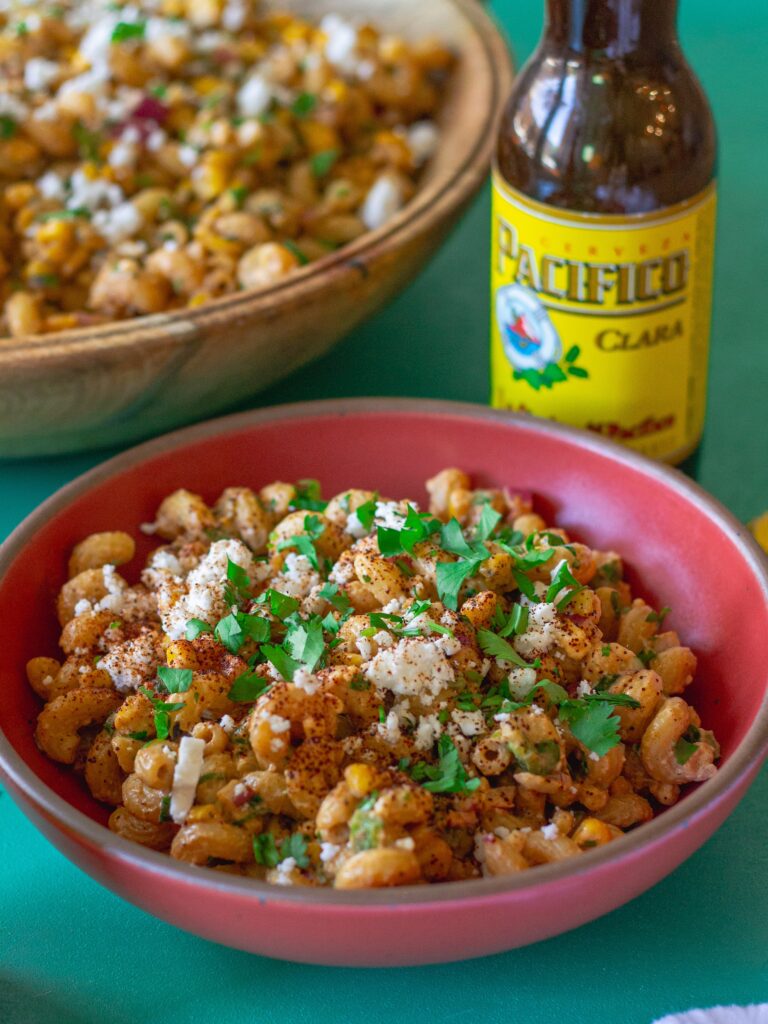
{"points": [[305, 643], [330, 592], [451, 577], [309, 496], [304, 104], [265, 851], [684, 750], [452, 539], [498, 647], [593, 723], [321, 163], [365, 513], [517, 621], [562, 579], [195, 627], [295, 845], [128, 30], [304, 542], [282, 661], [658, 616], [281, 605], [237, 589], [175, 680], [248, 687], [489, 519], [449, 775]]}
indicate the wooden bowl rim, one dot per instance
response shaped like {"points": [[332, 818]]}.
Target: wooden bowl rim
{"points": [[423, 211], [701, 803]]}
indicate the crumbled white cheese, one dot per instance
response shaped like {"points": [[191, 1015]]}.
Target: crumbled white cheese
{"points": [[131, 663], [389, 729], [389, 514], [297, 578], [12, 107], [550, 831], [414, 666], [83, 606], [583, 688], [383, 639], [156, 140], [365, 647], [341, 41], [233, 16], [39, 73], [51, 186], [382, 201], [188, 155], [328, 851], [471, 723], [123, 155], [593, 755], [254, 96], [406, 843], [285, 869], [521, 682], [227, 723], [306, 681], [540, 634], [354, 527], [278, 724], [427, 731], [422, 140], [186, 774]]}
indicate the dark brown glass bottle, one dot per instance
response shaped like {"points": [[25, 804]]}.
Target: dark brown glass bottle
{"points": [[603, 228]]}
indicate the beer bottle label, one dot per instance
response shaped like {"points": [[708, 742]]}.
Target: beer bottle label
{"points": [[603, 321]]}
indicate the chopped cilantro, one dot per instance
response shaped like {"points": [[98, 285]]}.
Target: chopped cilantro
{"points": [[593, 725], [195, 627], [236, 590], [308, 493], [304, 542], [330, 592], [449, 775], [562, 579], [298, 252], [305, 643], [282, 661], [321, 163], [498, 647], [73, 214], [605, 650], [489, 519], [658, 616], [237, 627], [128, 30], [646, 656], [265, 851], [8, 126], [295, 845], [248, 687], [239, 193], [281, 605], [304, 104], [365, 513], [175, 680]]}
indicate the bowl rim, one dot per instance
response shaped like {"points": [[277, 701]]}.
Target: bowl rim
{"points": [[742, 764], [416, 216]]}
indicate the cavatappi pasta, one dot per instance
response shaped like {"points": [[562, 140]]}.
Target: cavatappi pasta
{"points": [[355, 693], [160, 153]]}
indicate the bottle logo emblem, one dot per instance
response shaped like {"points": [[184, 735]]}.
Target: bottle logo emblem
{"points": [[530, 340], [529, 337]]}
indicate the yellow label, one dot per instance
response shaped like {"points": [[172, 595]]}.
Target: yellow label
{"points": [[603, 321]]}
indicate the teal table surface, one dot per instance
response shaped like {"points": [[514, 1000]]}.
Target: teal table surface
{"points": [[72, 953]]}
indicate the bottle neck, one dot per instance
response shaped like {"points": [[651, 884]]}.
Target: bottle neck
{"points": [[611, 28]]}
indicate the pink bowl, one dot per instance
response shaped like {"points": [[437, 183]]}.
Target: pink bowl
{"points": [[685, 550]]}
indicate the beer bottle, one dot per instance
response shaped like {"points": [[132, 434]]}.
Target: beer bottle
{"points": [[603, 229]]}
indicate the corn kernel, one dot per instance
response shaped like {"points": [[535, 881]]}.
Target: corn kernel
{"points": [[592, 832], [359, 778]]}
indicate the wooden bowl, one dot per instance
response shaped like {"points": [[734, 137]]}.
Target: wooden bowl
{"points": [[680, 545], [115, 383]]}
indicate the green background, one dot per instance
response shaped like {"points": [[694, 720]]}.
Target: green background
{"points": [[72, 953]]}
